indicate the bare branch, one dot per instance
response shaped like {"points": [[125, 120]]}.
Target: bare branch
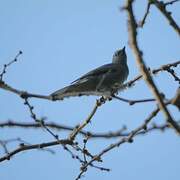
{"points": [[170, 2], [132, 102], [165, 67], [22, 94], [176, 78], [132, 29], [119, 133], [35, 146], [154, 71], [80, 127], [142, 22], [8, 64], [39, 121], [128, 139], [162, 8]]}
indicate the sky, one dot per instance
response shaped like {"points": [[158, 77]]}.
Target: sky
{"points": [[62, 40]]}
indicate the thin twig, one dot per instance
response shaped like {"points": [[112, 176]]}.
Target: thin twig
{"points": [[39, 121], [35, 146], [42, 124], [170, 2], [85, 153], [142, 22], [132, 102], [119, 133], [176, 78], [80, 127], [8, 64], [166, 66]]}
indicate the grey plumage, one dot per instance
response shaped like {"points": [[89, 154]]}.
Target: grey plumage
{"points": [[102, 81]]}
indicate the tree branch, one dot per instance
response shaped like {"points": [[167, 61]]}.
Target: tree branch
{"points": [[170, 2], [35, 146], [162, 8], [128, 139], [154, 71], [9, 64], [142, 22], [80, 127], [132, 29], [132, 102]]}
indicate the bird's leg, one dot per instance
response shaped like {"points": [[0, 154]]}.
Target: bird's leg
{"points": [[102, 99]]}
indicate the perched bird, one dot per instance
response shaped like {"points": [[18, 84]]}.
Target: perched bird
{"points": [[103, 81]]}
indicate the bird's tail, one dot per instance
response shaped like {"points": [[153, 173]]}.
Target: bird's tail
{"points": [[59, 94]]}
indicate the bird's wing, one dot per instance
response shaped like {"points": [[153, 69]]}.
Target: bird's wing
{"points": [[86, 84], [100, 71]]}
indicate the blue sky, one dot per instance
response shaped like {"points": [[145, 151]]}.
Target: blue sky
{"points": [[62, 40]]}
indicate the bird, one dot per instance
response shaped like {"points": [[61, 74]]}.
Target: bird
{"points": [[103, 81]]}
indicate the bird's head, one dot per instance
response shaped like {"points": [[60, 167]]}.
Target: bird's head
{"points": [[119, 56]]}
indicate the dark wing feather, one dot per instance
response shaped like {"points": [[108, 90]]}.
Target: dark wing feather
{"points": [[98, 71]]}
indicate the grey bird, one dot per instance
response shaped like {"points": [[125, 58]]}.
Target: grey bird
{"points": [[104, 81]]}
